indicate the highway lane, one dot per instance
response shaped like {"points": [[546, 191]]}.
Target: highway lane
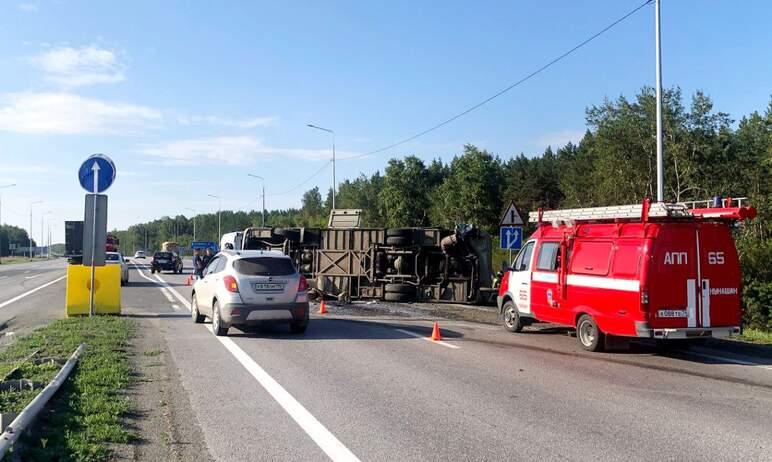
{"points": [[386, 395], [31, 295]]}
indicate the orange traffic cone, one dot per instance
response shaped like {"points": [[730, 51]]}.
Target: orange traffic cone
{"points": [[188, 281], [436, 331], [322, 307]]}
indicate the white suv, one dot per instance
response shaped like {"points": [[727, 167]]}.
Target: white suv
{"points": [[248, 287]]}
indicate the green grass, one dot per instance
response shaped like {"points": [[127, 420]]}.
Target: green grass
{"points": [[756, 336], [86, 414], [13, 260]]}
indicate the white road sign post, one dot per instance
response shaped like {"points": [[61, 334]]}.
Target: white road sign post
{"points": [[96, 174]]}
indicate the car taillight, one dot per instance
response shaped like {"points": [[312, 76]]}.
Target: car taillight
{"points": [[230, 284], [303, 284], [504, 284]]}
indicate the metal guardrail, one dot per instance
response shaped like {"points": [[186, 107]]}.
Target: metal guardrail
{"points": [[27, 416]]}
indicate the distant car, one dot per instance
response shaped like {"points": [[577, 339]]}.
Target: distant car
{"points": [[166, 261], [115, 258], [139, 254], [249, 287]]}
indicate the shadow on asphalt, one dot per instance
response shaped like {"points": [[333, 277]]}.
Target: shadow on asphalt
{"points": [[331, 329], [156, 315]]}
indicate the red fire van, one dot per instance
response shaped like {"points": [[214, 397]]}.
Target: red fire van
{"points": [[660, 271]]}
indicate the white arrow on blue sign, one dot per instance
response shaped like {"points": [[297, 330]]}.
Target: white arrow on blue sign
{"points": [[97, 173], [511, 237]]}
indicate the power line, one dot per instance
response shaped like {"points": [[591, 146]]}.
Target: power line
{"points": [[505, 90], [292, 189]]}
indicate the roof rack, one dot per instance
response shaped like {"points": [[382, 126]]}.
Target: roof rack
{"points": [[615, 212]]}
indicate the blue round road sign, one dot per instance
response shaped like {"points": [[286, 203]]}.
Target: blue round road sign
{"points": [[97, 173]]}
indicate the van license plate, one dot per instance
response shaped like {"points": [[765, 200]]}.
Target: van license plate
{"points": [[260, 286], [672, 313]]}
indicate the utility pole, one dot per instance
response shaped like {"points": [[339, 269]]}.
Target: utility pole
{"points": [[1, 221], [263, 208], [30, 227], [333, 159], [194, 221], [219, 209], [660, 159]]}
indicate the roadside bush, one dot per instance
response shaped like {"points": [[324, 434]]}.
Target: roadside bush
{"points": [[757, 299]]}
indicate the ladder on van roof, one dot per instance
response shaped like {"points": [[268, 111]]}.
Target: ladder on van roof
{"points": [[614, 212]]}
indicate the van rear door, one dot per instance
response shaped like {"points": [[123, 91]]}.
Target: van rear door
{"points": [[672, 282], [719, 271]]}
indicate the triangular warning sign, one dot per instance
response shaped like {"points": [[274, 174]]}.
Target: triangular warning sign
{"points": [[511, 217]]}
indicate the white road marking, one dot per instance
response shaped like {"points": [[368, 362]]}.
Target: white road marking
{"points": [[3, 277], [326, 441], [167, 294], [26, 272], [729, 360], [438, 342], [176, 307], [32, 277], [30, 292]]}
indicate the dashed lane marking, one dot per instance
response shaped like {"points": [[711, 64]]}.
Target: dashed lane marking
{"points": [[436, 342], [30, 292], [32, 277]]}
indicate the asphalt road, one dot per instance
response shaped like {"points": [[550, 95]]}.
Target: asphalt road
{"points": [[380, 392], [31, 294], [373, 388]]}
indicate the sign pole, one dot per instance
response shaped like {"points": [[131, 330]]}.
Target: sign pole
{"points": [[95, 168]]}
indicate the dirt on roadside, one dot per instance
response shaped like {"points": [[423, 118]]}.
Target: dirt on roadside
{"points": [[162, 419]]}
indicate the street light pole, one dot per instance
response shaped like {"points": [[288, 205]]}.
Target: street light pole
{"points": [[30, 227], [263, 208], [42, 228], [660, 158], [1, 218], [194, 221], [333, 159], [219, 209]]}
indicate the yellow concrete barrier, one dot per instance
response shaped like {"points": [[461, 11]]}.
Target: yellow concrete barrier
{"points": [[107, 294]]}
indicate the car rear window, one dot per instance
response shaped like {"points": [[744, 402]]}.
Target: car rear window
{"points": [[264, 266], [112, 257], [163, 255]]}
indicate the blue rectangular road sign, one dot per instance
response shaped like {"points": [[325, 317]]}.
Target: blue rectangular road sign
{"points": [[511, 237]]}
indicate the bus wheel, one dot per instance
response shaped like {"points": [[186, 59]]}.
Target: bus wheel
{"points": [[511, 317], [589, 334]]}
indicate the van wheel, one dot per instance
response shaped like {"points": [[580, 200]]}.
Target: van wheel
{"points": [[511, 317], [588, 333]]}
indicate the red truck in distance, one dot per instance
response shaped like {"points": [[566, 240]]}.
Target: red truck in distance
{"points": [[659, 271], [112, 243]]}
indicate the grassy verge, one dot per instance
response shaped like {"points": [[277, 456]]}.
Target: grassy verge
{"points": [[756, 336], [86, 414], [12, 260]]}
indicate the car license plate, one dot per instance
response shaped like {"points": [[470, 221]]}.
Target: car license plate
{"points": [[672, 313], [163, 261], [260, 286]]}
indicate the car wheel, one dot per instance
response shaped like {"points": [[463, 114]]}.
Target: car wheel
{"points": [[511, 317], [198, 318], [400, 288], [588, 333], [399, 232], [217, 327], [398, 241]]}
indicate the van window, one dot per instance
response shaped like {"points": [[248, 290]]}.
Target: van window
{"points": [[548, 256], [627, 259], [523, 260], [591, 258]]}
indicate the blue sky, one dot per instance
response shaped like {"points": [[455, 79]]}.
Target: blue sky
{"points": [[187, 97]]}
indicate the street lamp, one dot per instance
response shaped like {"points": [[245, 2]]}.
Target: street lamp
{"points": [[219, 209], [30, 226], [194, 221], [263, 180], [1, 216], [333, 159], [42, 228]]}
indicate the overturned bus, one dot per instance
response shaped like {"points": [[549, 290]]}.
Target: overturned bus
{"points": [[392, 264]]}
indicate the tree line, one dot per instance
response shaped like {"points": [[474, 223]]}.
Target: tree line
{"points": [[706, 154], [13, 236]]}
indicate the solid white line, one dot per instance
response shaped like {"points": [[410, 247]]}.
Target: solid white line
{"points": [[326, 441], [30, 292], [438, 342], [729, 360], [176, 307]]}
